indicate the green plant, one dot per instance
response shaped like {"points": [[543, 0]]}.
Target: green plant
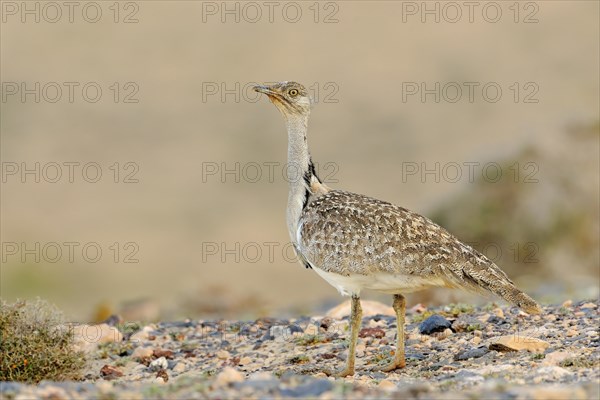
{"points": [[36, 344], [309, 340], [474, 327], [579, 362]]}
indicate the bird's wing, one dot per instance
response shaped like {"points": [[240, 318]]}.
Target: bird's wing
{"points": [[348, 233]]}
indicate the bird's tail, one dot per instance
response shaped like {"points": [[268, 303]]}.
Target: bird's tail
{"points": [[481, 275]]}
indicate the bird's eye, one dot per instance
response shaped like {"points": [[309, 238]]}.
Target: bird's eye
{"points": [[293, 92]]}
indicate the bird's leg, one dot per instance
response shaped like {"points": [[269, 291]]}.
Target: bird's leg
{"points": [[399, 359], [355, 321]]}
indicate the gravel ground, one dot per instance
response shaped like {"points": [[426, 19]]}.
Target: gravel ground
{"points": [[452, 352]]}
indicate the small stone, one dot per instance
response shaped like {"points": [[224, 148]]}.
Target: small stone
{"points": [[472, 353], [245, 360], [86, 338], [141, 353], [360, 350], [227, 377], [179, 367], [281, 333], [588, 305], [572, 332], [51, 392], [376, 324], [567, 303], [555, 358], [158, 364], [517, 343], [158, 353], [377, 333], [477, 333], [498, 312], [467, 323], [476, 340], [109, 372], [550, 374], [260, 376], [223, 355], [340, 327], [141, 335], [313, 388], [418, 309], [435, 323], [387, 385], [162, 375]]}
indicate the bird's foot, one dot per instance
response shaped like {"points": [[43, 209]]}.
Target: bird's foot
{"points": [[392, 366], [341, 373]]}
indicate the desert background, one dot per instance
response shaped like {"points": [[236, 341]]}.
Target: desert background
{"points": [[189, 209]]}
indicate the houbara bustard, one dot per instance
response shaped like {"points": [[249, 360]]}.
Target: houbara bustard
{"points": [[355, 242]]}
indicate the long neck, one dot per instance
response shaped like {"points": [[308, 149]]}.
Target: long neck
{"points": [[301, 171]]}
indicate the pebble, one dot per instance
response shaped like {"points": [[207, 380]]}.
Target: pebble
{"points": [[86, 338], [223, 354], [516, 343], [158, 364], [53, 393], [567, 303], [140, 353], [476, 340], [360, 350], [555, 358], [228, 376], [179, 367], [387, 385], [435, 323], [245, 360], [142, 335], [109, 372], [472, 353], [371, 332], [551, 373], [280, 333], [311, 389]]}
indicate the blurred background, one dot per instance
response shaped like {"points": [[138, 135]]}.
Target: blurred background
{"points": [[141, 174]]}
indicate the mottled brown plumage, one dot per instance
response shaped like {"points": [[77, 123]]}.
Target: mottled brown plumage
{"points": [[355, 242], [350, 234]]}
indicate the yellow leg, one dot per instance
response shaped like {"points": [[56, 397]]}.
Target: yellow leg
{"points": [[355, 321], [399, 358]]}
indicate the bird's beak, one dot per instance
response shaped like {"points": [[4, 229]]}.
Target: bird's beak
{"points": [[265, 90]]}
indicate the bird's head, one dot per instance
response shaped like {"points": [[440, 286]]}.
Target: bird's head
{"points": [[290, 98]]}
